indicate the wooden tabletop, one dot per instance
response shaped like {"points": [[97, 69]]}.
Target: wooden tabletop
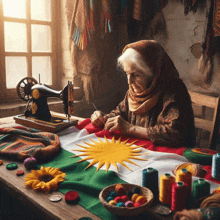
{"points": [[39, 202]]}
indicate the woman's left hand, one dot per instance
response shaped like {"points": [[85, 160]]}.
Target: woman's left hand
{"points": [[118, 123]]}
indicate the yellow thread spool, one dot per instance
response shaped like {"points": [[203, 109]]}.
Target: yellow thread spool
{"points": [[185, 176], [166, 181]]}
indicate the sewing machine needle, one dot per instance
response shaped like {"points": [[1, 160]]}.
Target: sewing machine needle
{"points": [[94, 106]]}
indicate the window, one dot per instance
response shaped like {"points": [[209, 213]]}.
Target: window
{"points": [[27, 47]]}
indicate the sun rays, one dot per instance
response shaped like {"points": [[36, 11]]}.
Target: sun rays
{"points": [[110, 153]]}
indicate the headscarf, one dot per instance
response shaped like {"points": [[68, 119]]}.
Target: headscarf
{"points": [[163, 69]]}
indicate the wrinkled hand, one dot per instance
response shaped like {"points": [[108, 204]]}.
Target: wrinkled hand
{"points": [[118, 123], [98, 119]]}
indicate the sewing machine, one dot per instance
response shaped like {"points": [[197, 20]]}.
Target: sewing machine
{"points": [[37, 114]]}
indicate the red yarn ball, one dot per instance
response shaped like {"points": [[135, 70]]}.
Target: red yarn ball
{"points": [[125, 198], [118, 199]]}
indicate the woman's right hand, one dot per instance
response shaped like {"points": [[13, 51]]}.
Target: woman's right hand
{"points": [[98, 119]]}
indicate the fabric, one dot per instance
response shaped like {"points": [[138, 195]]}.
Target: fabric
{"points": [[94, 44], [88, 183], [205, 63], [211, 201], [190, 5], [188, 215], [170, 122], [21, 142], [216, 18], [193, 168]]}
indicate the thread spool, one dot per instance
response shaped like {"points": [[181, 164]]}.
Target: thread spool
{"points": [[216, 166], [166, 181], [201, 188], [185, 176], [150, 181], [180, 195]]}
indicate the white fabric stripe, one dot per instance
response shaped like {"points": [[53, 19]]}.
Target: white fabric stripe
{"points": [[163, 162]]}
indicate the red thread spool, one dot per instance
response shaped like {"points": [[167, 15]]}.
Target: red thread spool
{"points": [[185, 176], [180, 193]]}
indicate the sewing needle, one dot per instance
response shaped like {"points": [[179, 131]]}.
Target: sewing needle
{"points": [[94, 106]]}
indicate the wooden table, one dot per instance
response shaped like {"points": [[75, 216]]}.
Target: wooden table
{"points": [[39, 202]]}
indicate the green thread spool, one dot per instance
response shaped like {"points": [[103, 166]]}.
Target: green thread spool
{"points": [[201, 188], [150, 181]]}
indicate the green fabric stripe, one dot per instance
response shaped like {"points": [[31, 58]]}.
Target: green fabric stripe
{"points": [[88, 183]]}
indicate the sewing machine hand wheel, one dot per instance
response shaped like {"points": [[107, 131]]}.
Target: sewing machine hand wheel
{"points": [[24, 88]]}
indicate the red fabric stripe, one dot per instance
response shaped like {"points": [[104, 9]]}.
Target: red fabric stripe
{"points": [[147, 144]]}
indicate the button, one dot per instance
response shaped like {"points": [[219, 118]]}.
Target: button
{"points": [[72, 197], [11, 166], [20, 173], [55, 198]]}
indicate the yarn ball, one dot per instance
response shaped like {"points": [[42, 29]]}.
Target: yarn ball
{"points": [[134, 197], [113, 194], [129, 204], [120, 204], [141, 200], [125, 198], [112, 202], [129, 194], [30, 163], [120, 190], [109, 199], [118, 199]]}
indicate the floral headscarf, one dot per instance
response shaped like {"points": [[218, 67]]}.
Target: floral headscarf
{"points": [[163, 68]]}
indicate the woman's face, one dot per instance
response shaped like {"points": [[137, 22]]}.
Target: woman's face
{"points": [[138, 79]]}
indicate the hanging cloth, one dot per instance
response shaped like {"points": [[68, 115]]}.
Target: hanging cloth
{"points": [[205, 63], [190, 5], [92, 34], [85, 16]]}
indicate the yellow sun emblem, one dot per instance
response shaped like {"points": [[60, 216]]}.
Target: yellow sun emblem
{"points": [[110, 153], [46, 179]]}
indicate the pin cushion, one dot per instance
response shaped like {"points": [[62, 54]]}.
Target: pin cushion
{"points": [[126, 211]]}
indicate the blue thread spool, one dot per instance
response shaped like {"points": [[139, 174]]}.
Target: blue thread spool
{"points": [[216, 166], [150, 181], [201, 188]]}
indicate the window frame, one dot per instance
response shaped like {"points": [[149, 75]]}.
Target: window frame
{"points": [[7, 94]]}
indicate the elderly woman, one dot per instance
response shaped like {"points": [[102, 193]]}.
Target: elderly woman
{"points": [[157, 105]]}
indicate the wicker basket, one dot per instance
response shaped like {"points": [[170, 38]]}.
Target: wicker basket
{"points": [[126, 211]]}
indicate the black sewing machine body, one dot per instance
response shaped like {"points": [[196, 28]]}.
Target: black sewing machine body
{"points": [[37, 112]]}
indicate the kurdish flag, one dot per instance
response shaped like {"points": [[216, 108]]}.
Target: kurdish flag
{"points": [[121, 160]]}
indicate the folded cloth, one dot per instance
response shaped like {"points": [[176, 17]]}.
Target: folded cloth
{"points": [[192, 214], [20, 142], [211, 201]]}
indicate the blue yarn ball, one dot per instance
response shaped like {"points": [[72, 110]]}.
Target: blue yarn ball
{"points": [[120, 204], [113, 194], [109, 199]]}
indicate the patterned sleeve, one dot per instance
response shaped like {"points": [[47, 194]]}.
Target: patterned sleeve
{"points": [[172, 126], [121, 109]]}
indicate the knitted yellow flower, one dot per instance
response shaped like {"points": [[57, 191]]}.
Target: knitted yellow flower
{"points": [[46, 179]]}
